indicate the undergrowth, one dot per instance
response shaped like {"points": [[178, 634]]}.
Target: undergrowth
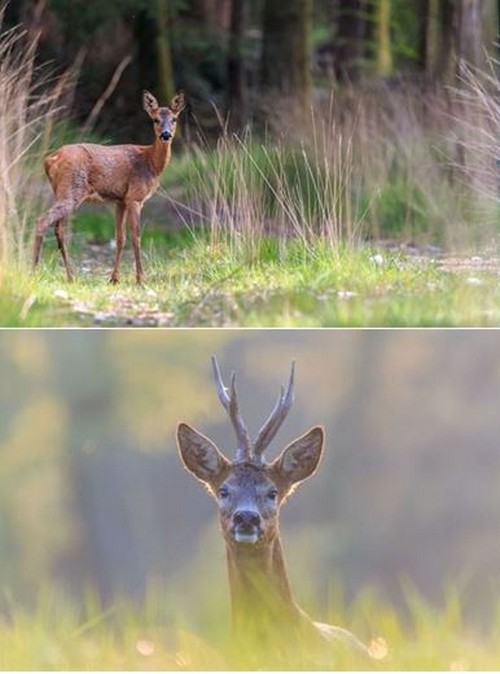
{"points": [[57, 633]]}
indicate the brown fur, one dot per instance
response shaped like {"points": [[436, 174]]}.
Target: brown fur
{"points": [[262, 602], [126, 175]]}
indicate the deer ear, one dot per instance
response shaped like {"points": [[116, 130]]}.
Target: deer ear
{"points": [[178, 102], [300, 459], [199, 454], [149, 102]]}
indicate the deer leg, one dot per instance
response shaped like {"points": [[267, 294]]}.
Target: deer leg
{"points": [[134, 219], [59, 211], [59, 231], [120, 241], [41, 226]]}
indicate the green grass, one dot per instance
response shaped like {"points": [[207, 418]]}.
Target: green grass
{"points": [[59, 634], [191, 282]]}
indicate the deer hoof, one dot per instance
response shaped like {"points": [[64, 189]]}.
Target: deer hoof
{"points": [[114, 280]]}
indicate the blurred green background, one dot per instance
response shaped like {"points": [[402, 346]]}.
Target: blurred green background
{"points": [[93, 495]]}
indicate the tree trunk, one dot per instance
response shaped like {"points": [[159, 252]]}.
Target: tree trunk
{"points": [[236, 80], [285, 67], [90, 400], [383, 49], [349, 47], [445, 59], [469, 33], [437, 39], [498, 27], [145, 39], [163, 53], [430, 37], [490, 29]]}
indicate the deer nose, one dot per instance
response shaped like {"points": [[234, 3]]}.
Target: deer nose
{"points": [[246, 519], [165, 135]]}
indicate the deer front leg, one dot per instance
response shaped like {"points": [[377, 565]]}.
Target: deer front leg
{"points": [[59, 230], [134, 219], [120, 241]]}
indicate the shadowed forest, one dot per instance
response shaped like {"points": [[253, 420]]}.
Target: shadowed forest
{"points": [[102, 532], [337, 163]]}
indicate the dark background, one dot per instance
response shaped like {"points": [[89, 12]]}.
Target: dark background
{"points": [[234, 58]]}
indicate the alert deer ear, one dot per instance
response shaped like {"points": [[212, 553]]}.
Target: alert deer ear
{"points": [[300, 459], [178, 102], [200, 456], [149, 103]]}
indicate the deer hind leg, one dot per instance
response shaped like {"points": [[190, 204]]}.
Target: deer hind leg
{"points": [[134, 219], [120, 241], [59, 231], [59, 211]]}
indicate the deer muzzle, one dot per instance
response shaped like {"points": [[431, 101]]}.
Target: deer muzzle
{"points": [[246, 527]]}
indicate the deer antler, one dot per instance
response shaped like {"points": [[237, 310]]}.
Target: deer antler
{"points": [[276, 418], [230, 404]]}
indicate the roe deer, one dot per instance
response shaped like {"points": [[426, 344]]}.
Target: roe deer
{"points": [[249, 493], [126, 175]]}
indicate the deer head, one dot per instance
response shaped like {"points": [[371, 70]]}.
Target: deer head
{"points": [[248, 490], [164, 119]]}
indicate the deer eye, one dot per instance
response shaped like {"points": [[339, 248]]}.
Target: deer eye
{"points": [[157, 121], [272, 494], [223, 492]]}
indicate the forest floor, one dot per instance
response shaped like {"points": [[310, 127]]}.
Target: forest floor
{"points": [[193, 283]]}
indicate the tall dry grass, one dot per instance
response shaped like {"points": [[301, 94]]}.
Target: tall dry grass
{"points": [[397, 161], [29, 105], [478, 114]]}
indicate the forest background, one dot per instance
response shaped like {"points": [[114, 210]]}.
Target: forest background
{"points": [[231, 53], [338, 162]]}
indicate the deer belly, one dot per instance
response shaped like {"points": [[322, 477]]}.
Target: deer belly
{"points": [[95, 197]]}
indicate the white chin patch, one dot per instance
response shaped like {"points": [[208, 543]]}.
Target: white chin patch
{"points": [[246, 538]]}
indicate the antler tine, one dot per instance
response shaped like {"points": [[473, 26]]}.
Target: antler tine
{"points": [[230, 404], [276, 418]]}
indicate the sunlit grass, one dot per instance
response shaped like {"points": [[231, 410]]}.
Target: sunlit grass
{"points": [[59, 634], [293, 285]]}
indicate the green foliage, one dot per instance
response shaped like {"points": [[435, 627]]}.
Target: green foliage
{"points": [[405, 24], [399, 208]]}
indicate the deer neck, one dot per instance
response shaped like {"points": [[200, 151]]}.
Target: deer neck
{"points": [[259, 587], [159, 155]]}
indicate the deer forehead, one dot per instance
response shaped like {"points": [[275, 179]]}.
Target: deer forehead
{"points": [[249, 478], [166, 114]]}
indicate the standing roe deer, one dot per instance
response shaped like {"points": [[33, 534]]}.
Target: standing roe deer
{"points": [[249, 492], [124, 174]]}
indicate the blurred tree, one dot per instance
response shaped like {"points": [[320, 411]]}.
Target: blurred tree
{"points": [[236, 76], [285, 64], [452, 36], [215, 14], [166, 86], [429, 36], [349, 42], [383, 44], [152, 29], [437, 38], [469, 41]]}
